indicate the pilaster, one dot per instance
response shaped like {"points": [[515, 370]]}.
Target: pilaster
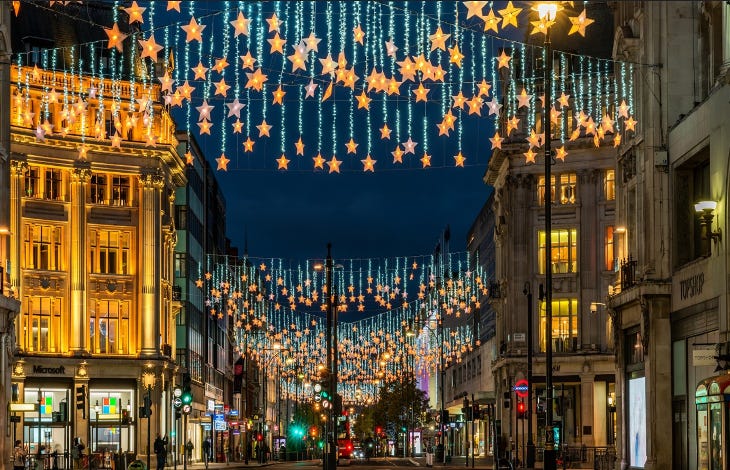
{"points": [[80, 176], [150, 253], [18, 166]]}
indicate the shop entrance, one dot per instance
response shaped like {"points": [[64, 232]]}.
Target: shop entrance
{"points": [[713, 423]]}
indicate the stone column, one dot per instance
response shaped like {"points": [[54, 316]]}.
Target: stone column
{"points": [[586, 404], [725, 67], [150, 252], [18, 167], [658, 371], [80, 176]]}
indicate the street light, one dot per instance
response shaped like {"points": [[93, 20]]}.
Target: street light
{"points": [[547, 12], [148, 380], [276, 350]]}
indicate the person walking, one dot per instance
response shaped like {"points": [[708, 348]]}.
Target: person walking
{"points": [[206, 451], [189, 450], [19, 456], [161, 451]]}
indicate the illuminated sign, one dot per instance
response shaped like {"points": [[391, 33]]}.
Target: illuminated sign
{"points": [[22, 407], [521, 387]]}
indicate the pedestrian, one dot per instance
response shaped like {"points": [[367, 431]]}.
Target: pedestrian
{"points": [[206, 450], [77, 451], [161, 451], [19, 456], [189, 450]]}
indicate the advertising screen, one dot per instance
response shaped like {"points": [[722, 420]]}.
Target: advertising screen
{"points": [[637, 422]]}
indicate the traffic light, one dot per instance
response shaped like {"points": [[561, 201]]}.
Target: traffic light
{"points": [[521, 410], [403, 429], [125, 417], [81, 399], [475, 411], [145, 411], [187, 394], [378, 430], [259, 437]]}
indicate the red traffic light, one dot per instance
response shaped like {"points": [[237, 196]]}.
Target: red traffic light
{"points": [[259, 437], [521, 407], [378, 430]]}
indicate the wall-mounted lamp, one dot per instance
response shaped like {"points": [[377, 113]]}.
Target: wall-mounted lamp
{"points": [[594, 306], [706, 210]]}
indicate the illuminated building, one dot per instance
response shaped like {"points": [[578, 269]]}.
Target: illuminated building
{"points": [[91, 257]]}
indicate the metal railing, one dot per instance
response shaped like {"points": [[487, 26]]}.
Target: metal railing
{"points": [[628, 273]]}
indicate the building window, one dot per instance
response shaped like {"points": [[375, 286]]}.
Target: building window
{"points": [[110, 251], [566, 189], [97, 190], [109, 326], [564, 325], [564, 256], [181, 265], [42, 324], [609, 185], [609, 249], [33, 182], [692, 184], [53, 185], [120, 190], [43, 247]]}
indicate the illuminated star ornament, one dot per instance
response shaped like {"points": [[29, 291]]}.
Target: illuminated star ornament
{"points": [[222, 162]]}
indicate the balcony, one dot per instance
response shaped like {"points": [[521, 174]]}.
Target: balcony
{"points": [[628, 273]]}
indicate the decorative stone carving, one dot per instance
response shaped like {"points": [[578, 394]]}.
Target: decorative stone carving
{"points": [[152, 180]]}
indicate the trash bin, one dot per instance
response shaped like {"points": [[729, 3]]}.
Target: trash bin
{"points": [[429, 459], [137, 465]]}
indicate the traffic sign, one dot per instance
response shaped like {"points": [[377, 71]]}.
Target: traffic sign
{"points": [[186, 409], [177, 392], [177, 402], [521, 387]]}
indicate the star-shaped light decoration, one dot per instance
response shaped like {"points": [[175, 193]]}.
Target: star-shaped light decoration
{"points": [[116, 38], [279, 96], [630, 124], [173, 5], [359, 37], [234, 108], [256, 80], [351, 146], [397, 154], [509, 15], [459, 100], [459, 160], [274, 23], [150, 48], [407, 69], [541, 26], [204, 110], [327, 92], [83, 151], [491, 21], [186, 90], [193, 30], [249, 62], [166, 82], [40, 134], [248, 144], [222, 162], [564, 100], [512, 124], [561, 153], [455, 55], [318, 161], [385, 132], [534, 139], [205, 126], [221, 88], [607, 124], [390, 47], [368, 164], [438, 39], [310, 89], [503, 60], [425, 160], [329, 65], [116, 141], [484, 88], [474, 9], [283, 162], [240, 24], [623, 110], [189, 159], [363, 101], [578, 23], [237, 126], [524, 99], [475, 105], [264, 129], [334, 164], [421, 93], [312, 42], [299, 146], [135, 13], [410, 146], [220, 65], [530, 156], [496, 141]]}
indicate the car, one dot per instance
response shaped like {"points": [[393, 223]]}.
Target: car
{"points": [[344, 449], [358, 453]]}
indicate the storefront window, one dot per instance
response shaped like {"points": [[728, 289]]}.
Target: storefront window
{"points": [[112, 420], [47, 427], [637, 422]]}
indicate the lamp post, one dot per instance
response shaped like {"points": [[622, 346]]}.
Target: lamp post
{"points": [[97, 410], [530, 460], [547, 12], [148, 380], [276, 350]]}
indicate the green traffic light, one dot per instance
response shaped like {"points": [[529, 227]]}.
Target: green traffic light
{"points": [[187, 398], [320, 444]]}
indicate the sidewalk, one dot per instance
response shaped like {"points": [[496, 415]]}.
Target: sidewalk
{"points": [[219, 465]]}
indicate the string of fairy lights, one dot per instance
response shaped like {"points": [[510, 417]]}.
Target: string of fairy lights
{"points": [[277, 304], [324, 86]]}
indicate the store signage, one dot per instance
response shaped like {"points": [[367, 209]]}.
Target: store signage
{"points": [[24, 407], [692, 286], [49, 370], [519, 337], [205, 426], [521, 387], [233, 413], [704, 356]]}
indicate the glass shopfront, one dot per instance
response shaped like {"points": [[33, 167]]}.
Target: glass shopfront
{"points": [[47, 430], [112, 420], [712, 399]]}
